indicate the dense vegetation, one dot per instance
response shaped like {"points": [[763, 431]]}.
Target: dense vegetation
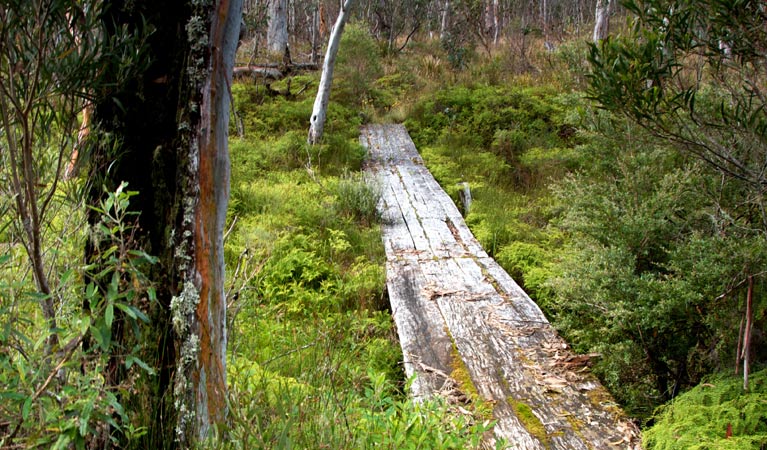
{"points": [[314, 358], [639, 247]]}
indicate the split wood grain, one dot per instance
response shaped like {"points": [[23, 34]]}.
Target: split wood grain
{"points": [[449, 300]]}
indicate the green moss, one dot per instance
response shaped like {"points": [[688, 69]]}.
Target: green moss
{"points": [[699, 419], [482, 409], [529, 420], [601, 398], [575, 423], [461, 375]]}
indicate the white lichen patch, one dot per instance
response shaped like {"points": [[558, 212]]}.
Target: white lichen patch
{"points": [[197, 33], [182, 306], [190, 349]]}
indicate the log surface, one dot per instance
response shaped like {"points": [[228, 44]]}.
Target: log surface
{"points": [[450, 301]]}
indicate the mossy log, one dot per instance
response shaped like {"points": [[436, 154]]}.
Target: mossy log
{"points": [[446, 293], [272, 71]]}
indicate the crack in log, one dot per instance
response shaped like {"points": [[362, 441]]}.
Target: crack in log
{"points": [[450, 300]]}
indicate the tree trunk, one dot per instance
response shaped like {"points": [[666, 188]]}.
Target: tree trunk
{"points": [[315, 34], [319, 111], [496, 23], [277, 34], [170, 124], [445, 20], [602, 21], [747, 332], [490, 20]]}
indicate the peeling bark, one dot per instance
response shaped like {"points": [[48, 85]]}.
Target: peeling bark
{"points": [[209, 374], [602, 21], [171, 124]]}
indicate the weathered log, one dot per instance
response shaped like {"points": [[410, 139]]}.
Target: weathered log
{"points": [[272, 71], [451, 301]]}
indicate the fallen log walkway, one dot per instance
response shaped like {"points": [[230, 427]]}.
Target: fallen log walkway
{"points": [[457, 311]]}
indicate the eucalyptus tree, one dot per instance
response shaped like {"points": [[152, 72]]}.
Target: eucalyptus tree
{"points": [[133, 342], [601, 20], [165, 134], [692, 73], [49, 55], [277, 33], [319, 110]]}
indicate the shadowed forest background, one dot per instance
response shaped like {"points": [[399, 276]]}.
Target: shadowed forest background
{"points": [[617, 171]]}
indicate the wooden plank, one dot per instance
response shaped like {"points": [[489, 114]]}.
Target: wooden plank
{"points": [[450, 300]]}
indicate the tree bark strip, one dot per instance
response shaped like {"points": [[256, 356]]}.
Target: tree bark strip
{"points": [[602, 20], [209, 376], [747, 332]]}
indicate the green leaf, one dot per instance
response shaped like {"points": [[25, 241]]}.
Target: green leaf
{"points": [[12, 395], [102, 336], [85, 417], [143, 255], [26, 408], [113, 288], [127, 309], [84, 324], [143, 365], [152, 293], [109, 314]]}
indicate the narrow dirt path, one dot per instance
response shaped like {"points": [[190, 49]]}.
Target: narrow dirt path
{"points": [[458, 312]]}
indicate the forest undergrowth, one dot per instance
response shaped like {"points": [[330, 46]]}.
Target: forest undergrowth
{"points": [[314, 360], [639, 253], [635, 249]]}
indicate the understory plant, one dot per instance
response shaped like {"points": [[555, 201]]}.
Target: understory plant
{"points": [[314, 360], [67, 398]]}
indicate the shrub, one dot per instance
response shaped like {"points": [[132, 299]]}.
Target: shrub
{"points": [[358, 197], [357, 67]]}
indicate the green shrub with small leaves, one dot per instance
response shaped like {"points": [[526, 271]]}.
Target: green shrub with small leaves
{"points": [[63, 400]]}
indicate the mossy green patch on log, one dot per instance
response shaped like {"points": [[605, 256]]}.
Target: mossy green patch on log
{"points": [[460, 374], [529, 420]]}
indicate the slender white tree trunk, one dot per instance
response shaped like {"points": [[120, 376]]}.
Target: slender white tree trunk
{"points": [[445, 20], [496, 22], [602, 20], [317, 121], [277, 33], [489, 20]]}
